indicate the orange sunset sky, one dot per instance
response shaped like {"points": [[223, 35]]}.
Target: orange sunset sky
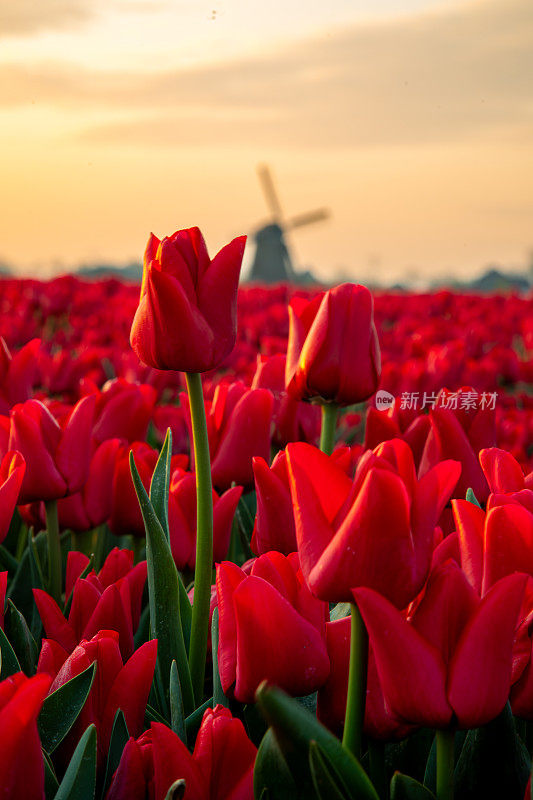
{"points": [[411, 120]]}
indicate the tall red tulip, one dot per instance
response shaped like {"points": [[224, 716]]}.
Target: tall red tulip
{"points": [[333, 349], [187, 314]]}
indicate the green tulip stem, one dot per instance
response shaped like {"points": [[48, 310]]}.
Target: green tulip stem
{"points": [[445, 763], [81, 541], [329, 424], [54, 550], [204, 536], [355, 701]]}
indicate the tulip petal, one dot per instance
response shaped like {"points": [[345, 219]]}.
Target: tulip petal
{"points": [[373, 546], [72, 455], [217, 296], [502, 470], [54, 623], [411, 671], [279, 646], [130, 691], [480, 671], [229, 576], [172, 761], [470, 523], [508, 543]]}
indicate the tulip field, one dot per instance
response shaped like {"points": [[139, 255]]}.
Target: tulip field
{"points": [[263, 542]]}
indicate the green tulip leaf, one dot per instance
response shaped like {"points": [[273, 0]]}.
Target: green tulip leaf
{"points": [[61, 709], [471, 497], [295, 729], [153, 715], [271, 773], [219, 698], [403, 787], [164, 601], [340, 611], [159, 491], [9, 661], [177, 718], [117, 743], [7, 560], [496, 744], [328, 785], [23, 643], [159, 486], [79, 781], [51, 784]]}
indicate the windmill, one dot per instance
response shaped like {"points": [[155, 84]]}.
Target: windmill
{"points": [[272, 261]]}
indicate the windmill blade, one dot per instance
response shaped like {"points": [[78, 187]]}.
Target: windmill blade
{"points": [[308, 218], [267, 185]]}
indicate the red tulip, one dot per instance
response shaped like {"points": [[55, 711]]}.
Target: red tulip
{"points": [[379, 723], [123, 410], [182, 519], [12, 469], [293, 421], [112, 598], [451, 663], [116, 685], [270, 627], [221, 766], [187, 314], [396, 424], [126, 517], [134, 777], [375, 531], [238, 425], [460, 434], [503, 472], [21, 757], [497, 542], [333, 349], [89, 507], [18, 373], [3, 588], [274, 523], [57, 456]]}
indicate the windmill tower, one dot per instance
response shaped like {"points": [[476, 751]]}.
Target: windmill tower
{"points": [[272, 261]]}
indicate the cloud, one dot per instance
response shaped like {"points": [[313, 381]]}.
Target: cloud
{"points": [[444, 76], [27, 17], [30, 17]]}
